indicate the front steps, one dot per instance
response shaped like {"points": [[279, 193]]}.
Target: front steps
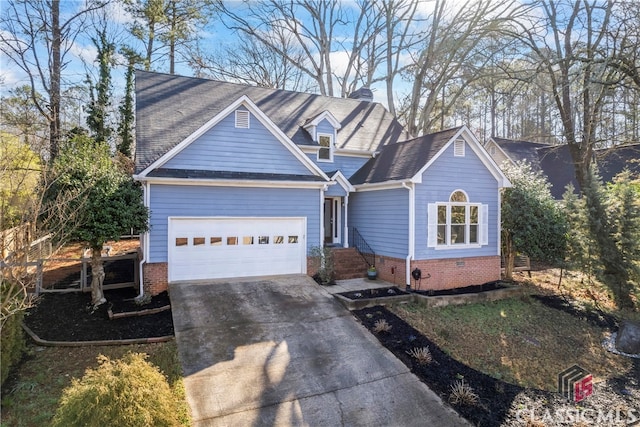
{"points": [[349, 264]]}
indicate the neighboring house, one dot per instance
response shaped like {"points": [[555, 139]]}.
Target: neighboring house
{"points": [[245, 181], [555, 161]]}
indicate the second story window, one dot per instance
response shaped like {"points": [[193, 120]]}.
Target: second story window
{"points": [[326, 148]]}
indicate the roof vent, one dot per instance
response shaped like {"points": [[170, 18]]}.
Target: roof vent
{"points": [[362, 94]]}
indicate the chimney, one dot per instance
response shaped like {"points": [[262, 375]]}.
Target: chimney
{"points": [[362, 94]]}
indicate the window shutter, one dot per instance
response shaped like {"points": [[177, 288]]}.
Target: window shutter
{"points": [[484, 221], [432, 228], [242, 119]]}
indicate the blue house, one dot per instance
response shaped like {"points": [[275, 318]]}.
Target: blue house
{"points": [[245, 181]]}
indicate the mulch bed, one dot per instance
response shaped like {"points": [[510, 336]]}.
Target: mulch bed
{"points": [[374, 293], [499, 401], [491, 286], [71, 317]]}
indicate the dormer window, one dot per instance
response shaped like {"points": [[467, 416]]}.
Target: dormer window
{"points": [[326, 147]]}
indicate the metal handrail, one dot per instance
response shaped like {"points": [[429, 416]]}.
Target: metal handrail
{"points": [[362, 247]]}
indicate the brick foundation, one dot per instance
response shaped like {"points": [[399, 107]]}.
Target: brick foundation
{"points": [[444, 273], [458, 272], [155, 278]]}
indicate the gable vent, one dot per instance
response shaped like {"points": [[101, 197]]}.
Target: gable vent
{"points": [[458, 148], [242, 119]]}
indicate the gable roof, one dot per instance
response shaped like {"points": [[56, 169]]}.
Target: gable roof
{"points": [[556, 163], [245, 102], [403, 160], [170, 108], [612, 161], [520, 150]]}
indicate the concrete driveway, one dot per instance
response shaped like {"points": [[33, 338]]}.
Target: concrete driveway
{"points": [[281, 351]]}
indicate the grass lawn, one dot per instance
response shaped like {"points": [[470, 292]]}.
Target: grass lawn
{"points": [[522, 341], [35, 388]]}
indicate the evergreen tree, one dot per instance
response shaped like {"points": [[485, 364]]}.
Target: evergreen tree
{"points": [[125, 127], [532, 223], [97, 118], [92, 200]]}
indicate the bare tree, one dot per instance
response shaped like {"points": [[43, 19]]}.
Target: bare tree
{"points": [[35, 38], [254, 63], [401, 35], [568, 42], [311, 24], [449, 42]]}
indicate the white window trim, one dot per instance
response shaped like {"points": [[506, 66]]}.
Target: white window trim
{"points": [[432, 226], [331, 147]]}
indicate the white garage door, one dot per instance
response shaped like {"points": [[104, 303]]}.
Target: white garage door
{"points": [[211, 248]]}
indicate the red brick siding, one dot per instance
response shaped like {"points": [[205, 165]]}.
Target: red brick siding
{"points": [[445, 273], [155, 278], [458, 272]]}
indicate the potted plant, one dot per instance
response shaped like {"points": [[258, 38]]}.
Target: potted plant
{"points": [[372, 273]]}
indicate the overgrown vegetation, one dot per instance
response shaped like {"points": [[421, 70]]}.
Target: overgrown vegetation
{"points": [[11, 334], [604, 236], [33, 394]]}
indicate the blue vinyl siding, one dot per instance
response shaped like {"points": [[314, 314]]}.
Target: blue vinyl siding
{"points": [[325, 127], [225, 148], [176, 200], [438, 182], [382, 218], [335, 190], [346, 164]]}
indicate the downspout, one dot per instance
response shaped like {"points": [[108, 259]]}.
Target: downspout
{"points": [[322, 191], [412, 231], [345, 233], [145, 242]]}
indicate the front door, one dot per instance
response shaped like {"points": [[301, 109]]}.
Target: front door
{"points": [[331, 220]]}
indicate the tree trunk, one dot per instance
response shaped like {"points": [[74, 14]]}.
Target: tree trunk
{"points": [[509, 255], [54, 78], [97, 277]]}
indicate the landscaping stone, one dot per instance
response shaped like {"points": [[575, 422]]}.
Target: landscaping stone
{"points": [[628, 339]]}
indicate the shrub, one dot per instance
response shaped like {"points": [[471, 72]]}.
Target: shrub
{"points": [[128, 391], [421, 354], [13, 343], [381, 325], [323, 264], [462, 393]]}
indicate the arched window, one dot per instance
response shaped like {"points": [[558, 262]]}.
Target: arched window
{"points": [[457, 223]]}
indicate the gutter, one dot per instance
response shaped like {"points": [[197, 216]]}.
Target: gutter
{"points": [[412, 230], [144, 242]]}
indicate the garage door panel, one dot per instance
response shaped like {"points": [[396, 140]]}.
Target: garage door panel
{"points": [[202, 248]]}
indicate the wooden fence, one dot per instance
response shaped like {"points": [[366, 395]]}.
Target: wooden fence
{"points": [[72, 274]]}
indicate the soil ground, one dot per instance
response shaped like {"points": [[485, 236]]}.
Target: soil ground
{"points": [[71, 317]]}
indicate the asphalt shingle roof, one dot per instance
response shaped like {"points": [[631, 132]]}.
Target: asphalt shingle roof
{"points": [[169, 108], [402, 160], [555, 161], [206, 174], [519, 150]]}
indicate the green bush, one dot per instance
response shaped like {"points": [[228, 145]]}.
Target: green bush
{"points": [[124, 392], [13, 343]]}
